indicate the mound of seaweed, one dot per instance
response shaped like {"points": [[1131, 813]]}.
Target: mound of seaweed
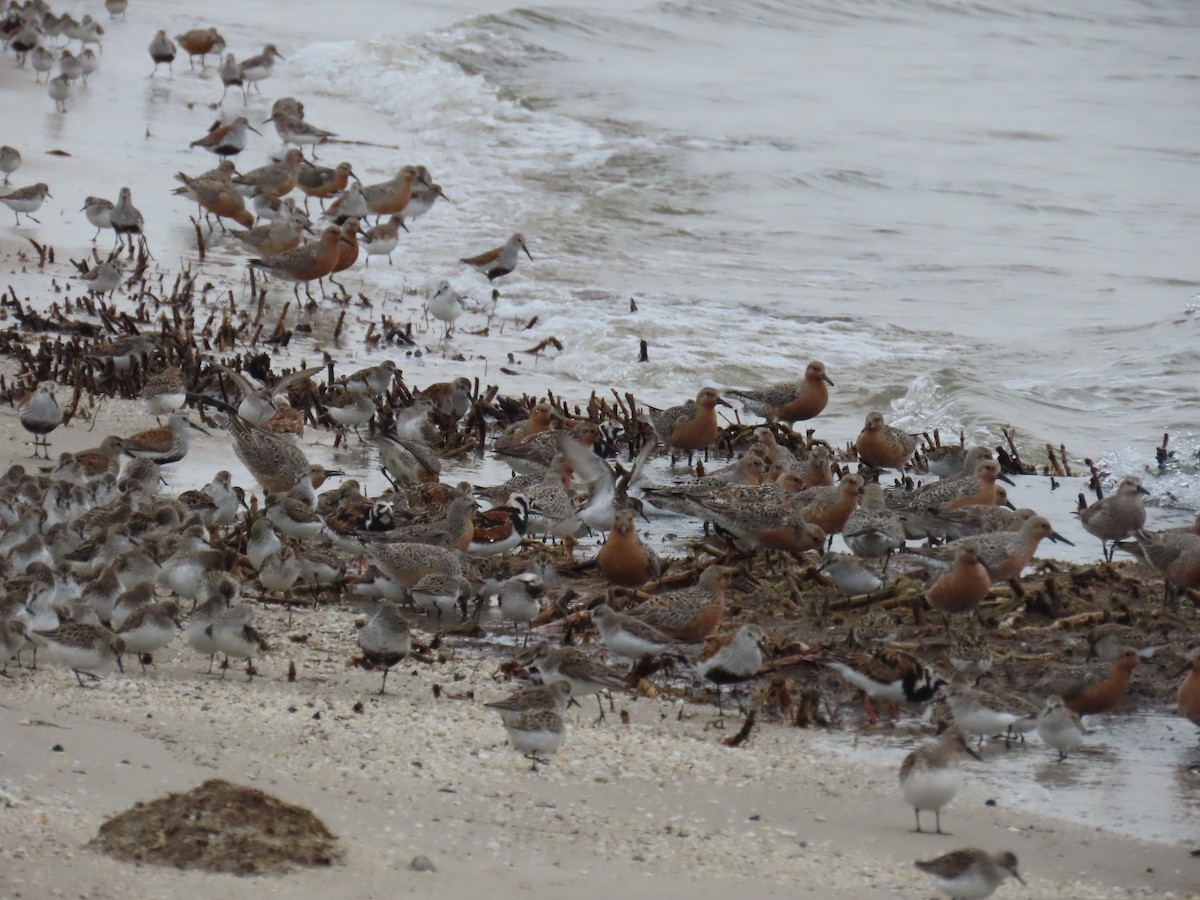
{"points": [[220, 827]]}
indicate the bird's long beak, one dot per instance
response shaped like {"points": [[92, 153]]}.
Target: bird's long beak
{"points": [[828, 380], [527, 253], [1005, 479], [255, 130], [192, 424], [1058, 538]]}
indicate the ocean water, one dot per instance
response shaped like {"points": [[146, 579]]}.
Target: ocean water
{"points": [[975, 214]]}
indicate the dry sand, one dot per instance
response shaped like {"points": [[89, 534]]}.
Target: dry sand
{"points": [[655, 807]]}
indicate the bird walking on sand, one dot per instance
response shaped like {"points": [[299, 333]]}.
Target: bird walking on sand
{"points": [[162, 50], [499, 261], [26, 200], [929, 776], [226, 138], [10, 161], [40, 415], [385, 639], [1060, 728], [970, 874]]}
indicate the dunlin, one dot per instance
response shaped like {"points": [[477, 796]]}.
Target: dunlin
{"points": [[553, 696], [231, 76], [162, 50], [125, 218], [84, 649], [498, 262], [881, 446], [536, 734], [1117, 517], [383, 239], [889, 675], [385, 639], [256, 68], [167, 444], [446, 305], [1060, 727], [26, 200], [10, 161], [226, 138], [624, 559], [98, 212], [790, 402], [102, 460], [692, 426], [116, 7], [40, 415], [970, 874], [736, 662], [199, 42], [24, 41], [929, 776]]}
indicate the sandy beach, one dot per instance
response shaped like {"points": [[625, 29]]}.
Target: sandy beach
{"points": [[650, 807]]}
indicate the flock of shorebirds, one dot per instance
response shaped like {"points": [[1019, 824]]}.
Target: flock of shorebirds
{"points": [[98, 563]]}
